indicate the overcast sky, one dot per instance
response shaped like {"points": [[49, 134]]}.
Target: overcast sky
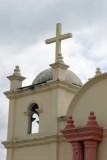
{"points": [[24, 26]]}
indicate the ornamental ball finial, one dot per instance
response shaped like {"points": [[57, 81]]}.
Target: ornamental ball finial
{"points": [[70, 123], [92, 120], [17, 71], [98, 71]]}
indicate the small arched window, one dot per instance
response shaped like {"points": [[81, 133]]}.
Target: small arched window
{"points": [[33, 121]]}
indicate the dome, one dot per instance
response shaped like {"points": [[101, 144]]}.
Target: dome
{"points": [[46, 75]]}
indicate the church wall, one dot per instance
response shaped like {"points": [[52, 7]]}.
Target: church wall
{"points": [[58, 150], [11, 119], [102, 152], [64, 100], [9, 154], [41, 152], [52, 105], [65, 151], [94, 99], [22, 105]]}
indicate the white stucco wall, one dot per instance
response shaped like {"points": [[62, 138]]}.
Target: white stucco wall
{"points": [[92, 97]]}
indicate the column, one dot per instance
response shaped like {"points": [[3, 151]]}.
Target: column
{"points": [[90, 148], [77, 150]]}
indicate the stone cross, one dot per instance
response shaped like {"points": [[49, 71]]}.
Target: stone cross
{"points": [[57, 39]]}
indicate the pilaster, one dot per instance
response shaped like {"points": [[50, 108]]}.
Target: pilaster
{"points": [[77, 150], [90, 150]]}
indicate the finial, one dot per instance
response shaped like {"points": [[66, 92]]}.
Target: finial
{"points": [[70, 123], [17, 71], [16, 79], [98, 71], [92, 120]]}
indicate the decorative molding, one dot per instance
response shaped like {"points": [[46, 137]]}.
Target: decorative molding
{"points": [[90, 144], [43, 88], [15, 77], [59, 65], [33, 141], [83, 138], [92, 131]]}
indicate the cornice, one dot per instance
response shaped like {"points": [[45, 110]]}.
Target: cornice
{"points": [[25, 91], [33, 142], [39, 141], [59, 65], [15, 77]]}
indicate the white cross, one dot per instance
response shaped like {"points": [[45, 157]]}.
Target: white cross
{"points": [[57, 39]]}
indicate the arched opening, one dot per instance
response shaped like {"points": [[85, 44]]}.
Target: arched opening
{"points": [[33, 121]]}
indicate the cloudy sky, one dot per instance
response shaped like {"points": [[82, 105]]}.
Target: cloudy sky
{"points": [[24, 26]]}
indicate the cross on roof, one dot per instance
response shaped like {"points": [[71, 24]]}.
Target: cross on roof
{"points": [[57, 39]]}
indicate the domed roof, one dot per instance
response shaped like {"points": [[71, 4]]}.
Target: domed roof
{"points": [[46, 75]]}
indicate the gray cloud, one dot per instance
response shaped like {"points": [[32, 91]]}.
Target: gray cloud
{"points": [[27, 21], [24, 26]]}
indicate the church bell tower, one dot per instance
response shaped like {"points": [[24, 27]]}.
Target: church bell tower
{"points": [[37, 112]]}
